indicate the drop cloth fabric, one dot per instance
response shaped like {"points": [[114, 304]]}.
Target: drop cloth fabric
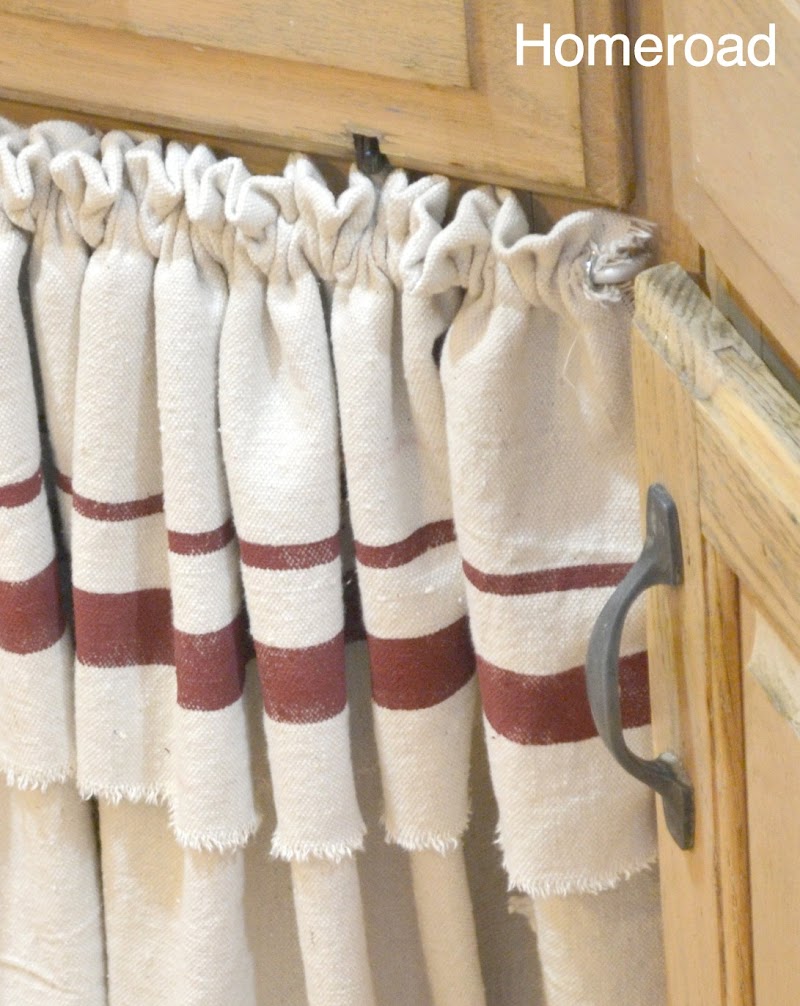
{"points": [[575, 970], [51, 919], [407, 561], [536, 382], [51, 932], [253, 390]]}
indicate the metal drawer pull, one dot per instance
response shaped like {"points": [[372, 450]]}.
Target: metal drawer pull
{"points": [[659, 563]]}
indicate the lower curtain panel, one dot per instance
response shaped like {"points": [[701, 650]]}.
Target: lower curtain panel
{"points": [[193, 928], [624, 966], [145, 921], [51, 927], [189, 927]]}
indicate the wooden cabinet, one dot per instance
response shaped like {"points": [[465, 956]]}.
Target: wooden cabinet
{"points": [[735, 149], [436, 81], [716, 428], [718, 431], [772, 766]]}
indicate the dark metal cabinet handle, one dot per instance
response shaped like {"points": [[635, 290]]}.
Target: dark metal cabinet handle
{"points": [[659, 563]]}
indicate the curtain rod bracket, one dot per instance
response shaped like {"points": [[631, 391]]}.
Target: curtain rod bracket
{"points": [[369, 158]]}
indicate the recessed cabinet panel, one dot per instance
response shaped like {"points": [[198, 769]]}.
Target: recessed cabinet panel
{"points": [[735, 134], [437, 82], [422, 40], [715, 427], [773, 810]]}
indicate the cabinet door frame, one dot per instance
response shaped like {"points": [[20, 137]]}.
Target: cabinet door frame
{"points": [[562, 130], [720, 433]]}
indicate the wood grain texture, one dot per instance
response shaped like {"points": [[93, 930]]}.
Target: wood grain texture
{"points": [[748, 432], [735, 149], [773, 786], [652, 143], [259, 158], [520, 126], [605, 102], [729, 301], [771, 662], [422, 40], [695, 672], [650, 134]]}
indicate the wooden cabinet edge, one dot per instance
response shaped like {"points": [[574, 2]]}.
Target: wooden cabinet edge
{"points": [[603, 172], [748, 432], [695, 665]]}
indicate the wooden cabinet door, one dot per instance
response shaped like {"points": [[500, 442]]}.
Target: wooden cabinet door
{"points": [[717, 430], [436, 80], [735, 139]]}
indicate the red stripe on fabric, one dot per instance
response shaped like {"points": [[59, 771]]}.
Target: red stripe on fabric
{"points": [[64, 482], [554, 708], [20, 493], [304, 685], [210, 666], [31, 616], [303, 556], [129, 510], [200, 542], [423, 671], [545, 581], [123, 630], [429, 536]]}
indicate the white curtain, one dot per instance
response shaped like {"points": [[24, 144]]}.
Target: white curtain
{"points": [[311, 463]]}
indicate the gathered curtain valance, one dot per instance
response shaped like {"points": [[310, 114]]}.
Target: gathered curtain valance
{"points": [[241, 395]]}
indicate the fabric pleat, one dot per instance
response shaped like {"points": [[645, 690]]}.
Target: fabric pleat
{"points": [[215, 808], [37, 733], [51, 925], [540, 436], [280, 445], [576, 969], [407, 562], [311, 502], [51, 933], [124, 679]]}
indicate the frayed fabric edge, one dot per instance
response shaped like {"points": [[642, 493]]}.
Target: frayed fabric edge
{"points": [[155, 796], [36, 779], [304, 852], [228, 841], [152, 795], [563, 886], [415, 840]]}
